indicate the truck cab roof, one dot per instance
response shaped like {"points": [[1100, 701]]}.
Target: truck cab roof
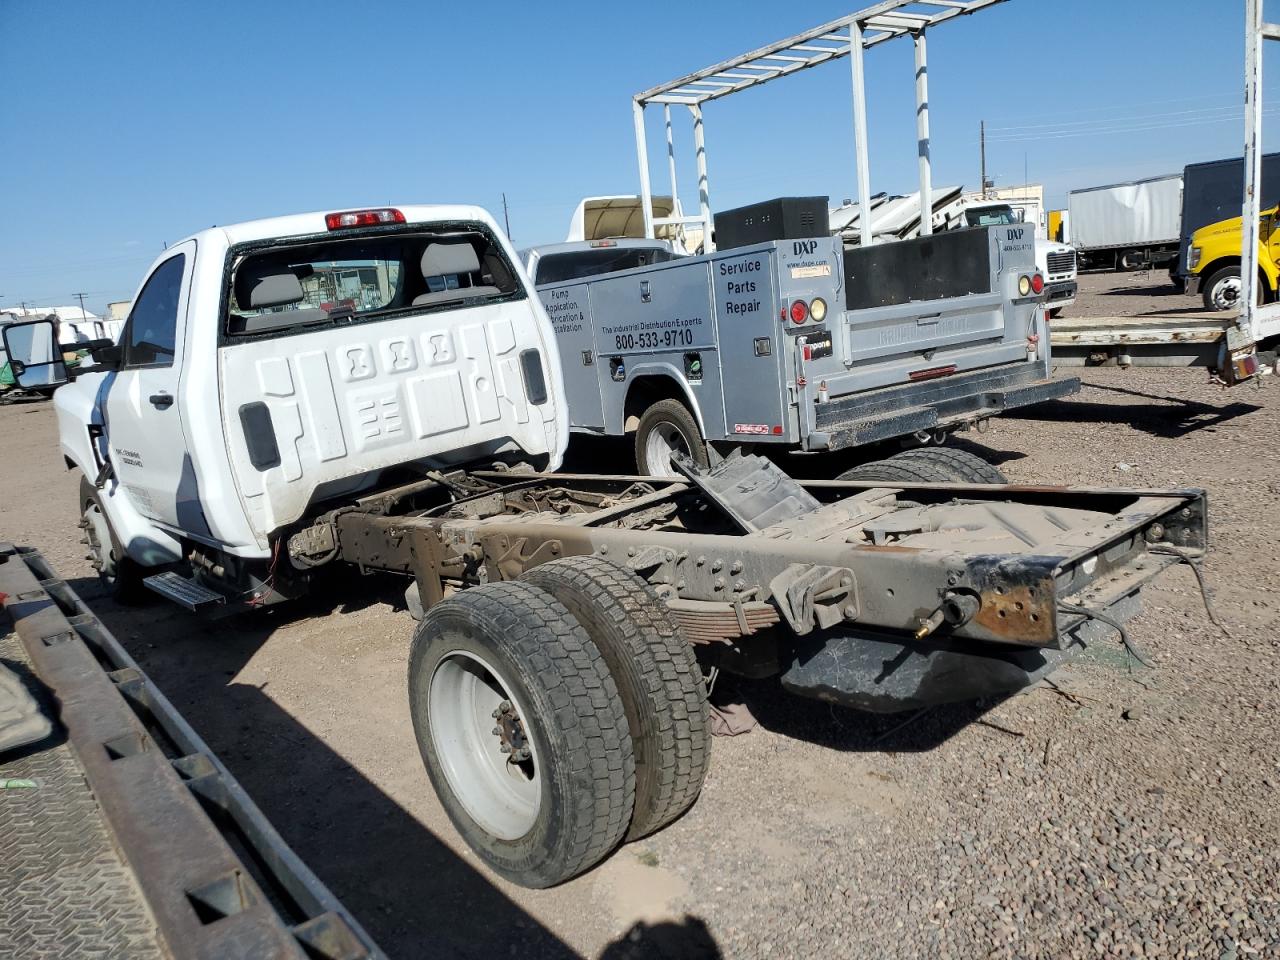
{"points": [[304, 224], [579, 259]]}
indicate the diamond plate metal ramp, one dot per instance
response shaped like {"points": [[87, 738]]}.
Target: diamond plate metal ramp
{"points": [[64, 890], [217, 880]]}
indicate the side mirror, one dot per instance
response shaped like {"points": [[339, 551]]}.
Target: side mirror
{"points": [[107, 354], [35, 358]]}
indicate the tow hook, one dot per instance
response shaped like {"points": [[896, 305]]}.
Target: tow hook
{"points": [[957, 608]]}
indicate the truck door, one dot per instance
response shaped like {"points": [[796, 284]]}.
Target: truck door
{"points": [[568, 307], [148, 449]]}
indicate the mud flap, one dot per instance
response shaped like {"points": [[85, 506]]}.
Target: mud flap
{"points": [[881, 673]]}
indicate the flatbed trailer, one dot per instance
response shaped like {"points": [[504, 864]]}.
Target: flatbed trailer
{"points": [[1191, 338], [123, 833]]}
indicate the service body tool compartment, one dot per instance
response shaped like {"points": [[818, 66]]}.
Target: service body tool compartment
{"points": [[658, 321], [752, 348]]}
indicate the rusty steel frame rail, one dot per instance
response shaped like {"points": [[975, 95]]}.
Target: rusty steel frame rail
{"points": [[170, 803], [891, 587]]}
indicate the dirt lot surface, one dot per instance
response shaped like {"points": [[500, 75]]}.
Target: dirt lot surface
{"points": [[1141, 293], [1131, 813]]}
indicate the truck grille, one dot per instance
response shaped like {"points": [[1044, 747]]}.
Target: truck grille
{"points": [[1062, 262]]}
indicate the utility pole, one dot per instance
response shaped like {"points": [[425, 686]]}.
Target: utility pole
{"points": [[982, 148], [505, 219], [81, 298]]}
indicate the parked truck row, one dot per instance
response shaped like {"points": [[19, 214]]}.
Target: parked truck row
{"points": [[248, 432]]}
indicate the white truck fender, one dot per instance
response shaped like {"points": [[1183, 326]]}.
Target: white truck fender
{"points": [[143, 541]]}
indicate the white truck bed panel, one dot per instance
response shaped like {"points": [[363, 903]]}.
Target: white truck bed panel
{"points": [[1127, 214]]}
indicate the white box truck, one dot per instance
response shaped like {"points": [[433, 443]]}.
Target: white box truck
{"points": [[1127, 226]]}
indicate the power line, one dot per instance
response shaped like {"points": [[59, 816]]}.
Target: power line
{"points": [[1232, 97], [1139, 128], [1137, 118]]}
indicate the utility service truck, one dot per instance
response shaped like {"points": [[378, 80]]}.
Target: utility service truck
{"points": [[249, 432], [785, 337]]}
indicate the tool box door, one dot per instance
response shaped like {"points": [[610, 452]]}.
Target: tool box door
{"points": [[569, 307], [751, 346]]}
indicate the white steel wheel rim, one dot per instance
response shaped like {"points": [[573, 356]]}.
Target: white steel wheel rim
{"points": [[664, 440], [1226, 293], [502, 796], [100, 541]]}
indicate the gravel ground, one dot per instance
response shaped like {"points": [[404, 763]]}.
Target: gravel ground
{"points": [[1130, 813], [1130, 295]]}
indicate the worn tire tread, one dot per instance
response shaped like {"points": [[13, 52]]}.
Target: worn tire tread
{"points": [[961, 464], [653, 664], [540, 633]]}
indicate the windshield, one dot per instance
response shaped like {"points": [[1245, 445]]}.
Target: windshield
{"points": [[579, 264], [991, 216], [346, 279]]}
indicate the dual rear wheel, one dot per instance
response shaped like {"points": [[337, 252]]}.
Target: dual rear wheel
{"points": [[558, 716], [927, 465]]}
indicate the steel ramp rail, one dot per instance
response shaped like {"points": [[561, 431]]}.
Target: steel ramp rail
{"points": [[176, 814]]}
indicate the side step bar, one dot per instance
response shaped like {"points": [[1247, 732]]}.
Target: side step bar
{"points": [[219, 880], [184, 591]]}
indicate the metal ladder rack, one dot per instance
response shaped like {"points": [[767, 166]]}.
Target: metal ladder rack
{"points": [[1256, 321], [846, 36]]}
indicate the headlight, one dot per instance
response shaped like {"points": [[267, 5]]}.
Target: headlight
{"points": [[1193, 258]]}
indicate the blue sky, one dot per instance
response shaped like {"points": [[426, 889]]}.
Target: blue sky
{"points": [[126, 125]]}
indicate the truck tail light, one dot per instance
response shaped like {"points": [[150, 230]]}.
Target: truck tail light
{"points": [[1037, 283], [818, 309], [1024, 286], [362, 218], [799, 311]]}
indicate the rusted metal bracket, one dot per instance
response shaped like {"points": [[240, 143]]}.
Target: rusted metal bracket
{"points": [[512, 560], [812, 595]]}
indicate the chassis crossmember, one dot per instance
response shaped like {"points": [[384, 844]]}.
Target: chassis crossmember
{"points": [[885, 598]]}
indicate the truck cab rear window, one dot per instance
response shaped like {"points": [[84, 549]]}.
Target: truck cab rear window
{"points": [[580, 264], [340, 280]]}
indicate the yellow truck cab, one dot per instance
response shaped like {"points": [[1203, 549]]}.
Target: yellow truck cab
{"points": [[1213, 261]]}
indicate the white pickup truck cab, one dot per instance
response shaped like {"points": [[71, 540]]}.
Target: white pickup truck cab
{"points": [[1056, 261], [269, 367]]}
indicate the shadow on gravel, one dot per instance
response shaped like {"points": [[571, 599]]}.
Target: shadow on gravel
{"points": [[839, 728], [1157, 288], [1168, 417], [414, 895], [687, 940]]}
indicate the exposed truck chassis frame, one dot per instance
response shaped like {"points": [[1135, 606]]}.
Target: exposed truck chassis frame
{"points": [[832, 580]]}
